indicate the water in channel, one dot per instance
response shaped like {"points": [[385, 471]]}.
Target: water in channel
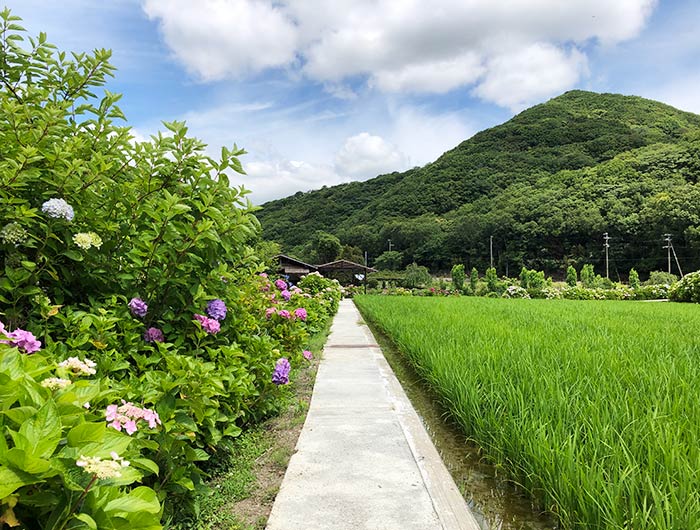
{"points": [[496, 503]]}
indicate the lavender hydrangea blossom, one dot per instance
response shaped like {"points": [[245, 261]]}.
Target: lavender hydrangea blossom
{"points": [[138, 307], [280, 375], [216, 309], [153, 335], [58, 209]]}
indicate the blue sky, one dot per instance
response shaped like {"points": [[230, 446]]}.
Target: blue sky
{"points": [[321, 92]]}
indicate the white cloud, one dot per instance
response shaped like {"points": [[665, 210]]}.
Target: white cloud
{"points": [[364, 156], [401, 46], [268, 180], [434, 76], [217, 38], [518, 79]]}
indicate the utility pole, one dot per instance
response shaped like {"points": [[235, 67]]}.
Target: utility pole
{"points": [[667, 238], [606, 238], [389, 241], [491, 250], [669, 246]]}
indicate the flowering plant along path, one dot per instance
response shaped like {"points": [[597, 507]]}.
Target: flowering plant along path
{"points": [[364, 459]]}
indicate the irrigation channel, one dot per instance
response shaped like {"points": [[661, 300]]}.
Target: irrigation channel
{"points": [[496, 503]]}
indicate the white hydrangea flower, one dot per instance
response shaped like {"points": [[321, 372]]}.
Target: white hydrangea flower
{"points": [[87, 240], [58, 208], [86, 367], [13, 233], [55, 383], [103, 468]]}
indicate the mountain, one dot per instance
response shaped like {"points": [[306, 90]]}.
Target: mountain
{"points": [[546, 185]]}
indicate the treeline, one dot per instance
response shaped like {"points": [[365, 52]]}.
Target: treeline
{"points": [[544, 186]]}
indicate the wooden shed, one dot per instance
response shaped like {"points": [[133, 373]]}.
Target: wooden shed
{"points": [[345, 271], [293, 268]]}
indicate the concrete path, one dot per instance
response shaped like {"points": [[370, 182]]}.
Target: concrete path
{"points": [[364, 459]]}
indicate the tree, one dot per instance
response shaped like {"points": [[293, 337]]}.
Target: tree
{"points": [[588, 276], [571, 276], [458, 277], [491, 280], [351, 253], [390, 260], [326, 246], [634, 279], [417, 276]]}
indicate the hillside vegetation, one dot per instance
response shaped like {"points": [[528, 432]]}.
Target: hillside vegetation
{"points": [[546, 185]]}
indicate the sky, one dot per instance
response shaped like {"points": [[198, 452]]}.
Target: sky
{"points": [[321, 92]]}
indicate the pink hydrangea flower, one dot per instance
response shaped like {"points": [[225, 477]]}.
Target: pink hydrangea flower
{"points": [[286, 295], [300, 313], [284, 313], [263, 275], [269, 312], [209, 325], [307, 355], [126, 415], [281, 285]]}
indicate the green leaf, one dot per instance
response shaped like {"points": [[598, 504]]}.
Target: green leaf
{"points": [[24, 461], [20, 414], [145, 463], [74, 255], [86, 432], [11, 480], [141, 499], [43, 431], [87, 520], [29, 265]]}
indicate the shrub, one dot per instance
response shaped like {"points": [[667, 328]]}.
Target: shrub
{"points": [[661, 278], [634, 279], [687, 289], [417, 276], [588, 276], [571, 276], [491, 280], [458, 277], [473, 279]]}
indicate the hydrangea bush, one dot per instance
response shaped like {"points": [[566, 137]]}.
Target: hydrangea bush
{"points": [[134, 316]]}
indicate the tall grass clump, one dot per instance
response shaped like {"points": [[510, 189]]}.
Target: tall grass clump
{"points": [[590, 406]]}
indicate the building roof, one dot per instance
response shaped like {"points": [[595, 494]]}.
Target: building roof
{"points": [[344, 264], [289, 259]]}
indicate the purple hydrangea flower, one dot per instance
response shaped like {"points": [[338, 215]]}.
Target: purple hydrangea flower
{"points": [[300, 313], [284, 313], [153, 335], [216, 309], [286, 295], [281, 284], [280, 375], [138, 307], [19, 338], [307, 355], [209, 325]]}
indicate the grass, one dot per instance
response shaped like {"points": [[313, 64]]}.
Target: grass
{"points": [[590, 406]]}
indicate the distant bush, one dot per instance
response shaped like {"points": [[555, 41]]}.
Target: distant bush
{"points": [[634, 279], [571, 276], [687, 289], [515, 291], [458, 276], [661, 278]]}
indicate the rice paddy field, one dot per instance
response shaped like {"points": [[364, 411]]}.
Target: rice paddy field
{"points": [[593, 407]]}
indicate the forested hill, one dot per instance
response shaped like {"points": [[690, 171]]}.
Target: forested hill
{"points": [[546, 185]]}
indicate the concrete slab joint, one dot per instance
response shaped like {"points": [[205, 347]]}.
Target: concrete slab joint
{"points": [[364, 459]]}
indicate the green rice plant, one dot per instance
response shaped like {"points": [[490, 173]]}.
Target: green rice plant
{"points": [[591, 406]]}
